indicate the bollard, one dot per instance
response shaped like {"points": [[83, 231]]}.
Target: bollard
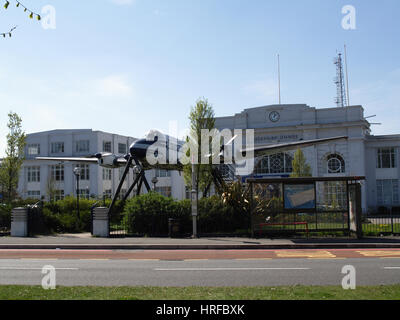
{"points": [[101, 222], [19, 222]]}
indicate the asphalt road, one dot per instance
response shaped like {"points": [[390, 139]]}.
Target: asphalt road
{"points": [[371, 269]]}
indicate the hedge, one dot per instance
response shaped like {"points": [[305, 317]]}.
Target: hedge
{"points": [[148, 215]]}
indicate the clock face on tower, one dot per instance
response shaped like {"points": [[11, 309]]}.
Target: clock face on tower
{"points": [[274, 116]]}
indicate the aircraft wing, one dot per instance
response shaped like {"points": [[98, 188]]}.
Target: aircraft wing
{"points": [[82, 160], [282, 147]]}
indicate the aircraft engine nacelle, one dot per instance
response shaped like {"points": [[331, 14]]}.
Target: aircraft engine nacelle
{"points": [[108, 160]]}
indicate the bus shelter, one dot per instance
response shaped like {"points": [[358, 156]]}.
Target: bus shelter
{"points": [[304, 205]]}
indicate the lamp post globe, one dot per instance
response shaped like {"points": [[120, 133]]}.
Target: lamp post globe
{"points": [[154, 181]]}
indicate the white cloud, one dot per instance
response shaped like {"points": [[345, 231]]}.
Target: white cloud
{"points": [[123, 2], [382, 98], [113, 86], [266, 88]]}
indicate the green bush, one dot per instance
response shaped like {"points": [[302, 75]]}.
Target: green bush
{"points": [[148, 215], [216, 217], [5, 217], [62, 217]]}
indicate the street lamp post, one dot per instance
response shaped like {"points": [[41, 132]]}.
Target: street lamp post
{"points": [[194, 201], [154, 181], [77, 173]]}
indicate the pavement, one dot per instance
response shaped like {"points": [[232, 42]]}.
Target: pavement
{"points": [[87, 242]]}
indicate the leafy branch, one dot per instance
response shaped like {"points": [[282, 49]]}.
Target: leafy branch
{"points": [[32, 14]]}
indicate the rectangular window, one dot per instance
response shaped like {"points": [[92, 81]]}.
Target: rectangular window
{"points": [[57, 147], [107, 146], [33, 174], [107, 174], [33, 149], [84, 171], [165, 191], [162, 173], [386, 158], [387, 192], [34, 194], [188, 193], [84, 193], [122, 148], [57, 172], [59, 195], [107, 193], [82, 146]]}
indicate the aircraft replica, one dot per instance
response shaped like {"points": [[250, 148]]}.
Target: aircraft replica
{"points": [[138, 160]]}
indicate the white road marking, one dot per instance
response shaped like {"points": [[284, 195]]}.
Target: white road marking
{"points": [[391, 268], [27, 268], [227, 269]]}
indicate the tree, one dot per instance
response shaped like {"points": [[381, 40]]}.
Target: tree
{"points": [[18, 4], [300, 166], [11, 164], [201, 117], [51, 189]]}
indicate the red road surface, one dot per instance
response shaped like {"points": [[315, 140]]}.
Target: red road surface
{"points": [[200, 254]]}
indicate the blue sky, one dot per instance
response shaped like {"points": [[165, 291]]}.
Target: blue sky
{"points": [[127, 66]]}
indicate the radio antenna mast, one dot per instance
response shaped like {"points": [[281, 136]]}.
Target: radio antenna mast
{"points": [[279, 79], [347, 76], [341, 99]]}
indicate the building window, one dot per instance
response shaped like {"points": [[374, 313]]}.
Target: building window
{"points": [[33, 149], [57, 147], [58, 195], [188, 193], [162, 173], [107, 146], [164, 191], [276, 163], [33, 174], [387, 192], [107, 174], [57, 172], [387, 158], [34, 194], [107, 193], [335, 164], [122, 148], [334, 195], [84, 193], [84, 172], [82, 146]]}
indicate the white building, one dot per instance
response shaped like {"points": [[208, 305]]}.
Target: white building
{"points": [[37, 177], [375, 157]]}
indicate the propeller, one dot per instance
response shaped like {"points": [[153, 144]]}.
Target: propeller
{"points": [[222, 148]]}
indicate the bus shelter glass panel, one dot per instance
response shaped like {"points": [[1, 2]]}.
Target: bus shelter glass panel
{"points": [[299, 196], [268, 202], [332, 205]]}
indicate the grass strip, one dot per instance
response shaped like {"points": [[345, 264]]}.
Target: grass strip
{"points": [[13, 292]]}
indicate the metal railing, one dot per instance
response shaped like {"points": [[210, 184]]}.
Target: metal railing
{"points": [[381, 224]]}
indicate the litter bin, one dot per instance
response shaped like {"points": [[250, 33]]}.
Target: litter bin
{"points": [[173, 228]]}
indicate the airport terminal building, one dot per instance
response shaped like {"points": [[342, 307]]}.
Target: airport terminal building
{"points": [[363, 154], [375, 157]]}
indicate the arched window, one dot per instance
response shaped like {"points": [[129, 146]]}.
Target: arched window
{"points": [[335, 164], [276, 163]]}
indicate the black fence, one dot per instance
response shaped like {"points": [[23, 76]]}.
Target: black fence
{"points": [[386, 221]]}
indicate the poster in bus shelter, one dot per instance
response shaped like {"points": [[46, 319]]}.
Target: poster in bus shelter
{"points": [[299, 196]]}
